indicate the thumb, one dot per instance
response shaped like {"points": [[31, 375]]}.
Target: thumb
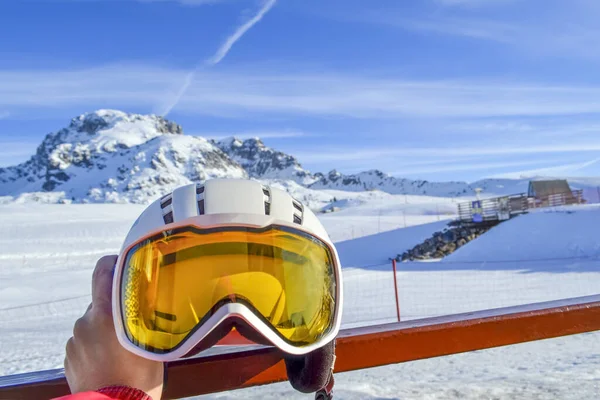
{"points": [[102, 280]]}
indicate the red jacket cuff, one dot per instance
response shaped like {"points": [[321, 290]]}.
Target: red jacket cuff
{"points": [[124, 393], [109, 393]]}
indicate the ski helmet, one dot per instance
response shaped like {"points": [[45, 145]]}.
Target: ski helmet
{"points": [[226, 257]]}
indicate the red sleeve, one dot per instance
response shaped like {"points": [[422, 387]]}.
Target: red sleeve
{"points": [[109, 393]]}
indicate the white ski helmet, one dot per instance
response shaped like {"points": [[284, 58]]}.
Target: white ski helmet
{"points": [[223, 203], [226, 201]]}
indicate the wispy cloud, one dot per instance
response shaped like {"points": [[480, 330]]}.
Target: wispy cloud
{"points": [[456, 26], [556, 170], [254, 134], [473, 3], [539, 39], [347, 154], [563, 29], [184, 2], [12, 152], [220, 54], [464, 166], [275, 93], [546, 129], [494, 126]]}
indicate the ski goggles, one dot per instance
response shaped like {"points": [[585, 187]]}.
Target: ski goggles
{"points": [[177, 287]]}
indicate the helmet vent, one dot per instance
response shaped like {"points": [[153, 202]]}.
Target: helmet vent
{"points": [[299, 212], [267, 199], [166, 204], [200, 199], [298, 206], [166, 201], [168, 217]]}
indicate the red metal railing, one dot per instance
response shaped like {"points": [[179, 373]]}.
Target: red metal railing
{"points": [[357, 348], [557, 199]]}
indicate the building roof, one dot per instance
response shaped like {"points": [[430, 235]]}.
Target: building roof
{"points": [[546, 188]]}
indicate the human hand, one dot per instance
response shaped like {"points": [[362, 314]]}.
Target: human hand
{"points": [[95, 358]]}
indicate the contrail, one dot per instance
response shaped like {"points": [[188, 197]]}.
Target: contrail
{"points": [[220, 54], [224, 49]]}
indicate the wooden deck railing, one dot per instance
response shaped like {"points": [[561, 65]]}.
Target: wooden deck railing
{"points": [[357, 348], [505, 207]]}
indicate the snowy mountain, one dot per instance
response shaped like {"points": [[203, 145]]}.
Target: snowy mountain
{"points": [[377, 180], [262, 162], [111, 156], [491, 187]]}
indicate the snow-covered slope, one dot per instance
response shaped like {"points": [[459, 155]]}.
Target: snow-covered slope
{"points": [[111, 156], [560, 233], [383, 245], [262, 162], [49, 252]]}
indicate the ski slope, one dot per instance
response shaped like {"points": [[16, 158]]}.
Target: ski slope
{"points": [[369, 213], [561, 232], [48, 253]]}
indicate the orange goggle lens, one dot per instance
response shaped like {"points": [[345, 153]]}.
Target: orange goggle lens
{"points": [[173, 282]]}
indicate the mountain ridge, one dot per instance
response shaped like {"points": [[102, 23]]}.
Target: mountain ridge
{"points": [[113, 156]]}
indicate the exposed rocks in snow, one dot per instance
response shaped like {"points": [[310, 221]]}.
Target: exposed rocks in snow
{"points": [[262, 162], [445, 242], [377, 180]]}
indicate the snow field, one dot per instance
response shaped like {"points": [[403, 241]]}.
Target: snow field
{"points": [[47, 254], [565, 368]]}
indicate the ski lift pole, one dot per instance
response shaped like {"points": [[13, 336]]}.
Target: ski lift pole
{"points": [[396, 289]]}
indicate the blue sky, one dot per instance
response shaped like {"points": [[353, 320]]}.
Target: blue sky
{"points": [[433, 89]]}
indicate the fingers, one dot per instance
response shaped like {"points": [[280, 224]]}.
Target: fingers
{"points": [[79, 327], [102, 280], [69, 348], [69, 352]]}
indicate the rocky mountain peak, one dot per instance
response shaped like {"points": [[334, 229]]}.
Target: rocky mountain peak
{"points": [[237, 143], [110, 155], [376, 173], [126, 128], [97, 121], [263, 162]]}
